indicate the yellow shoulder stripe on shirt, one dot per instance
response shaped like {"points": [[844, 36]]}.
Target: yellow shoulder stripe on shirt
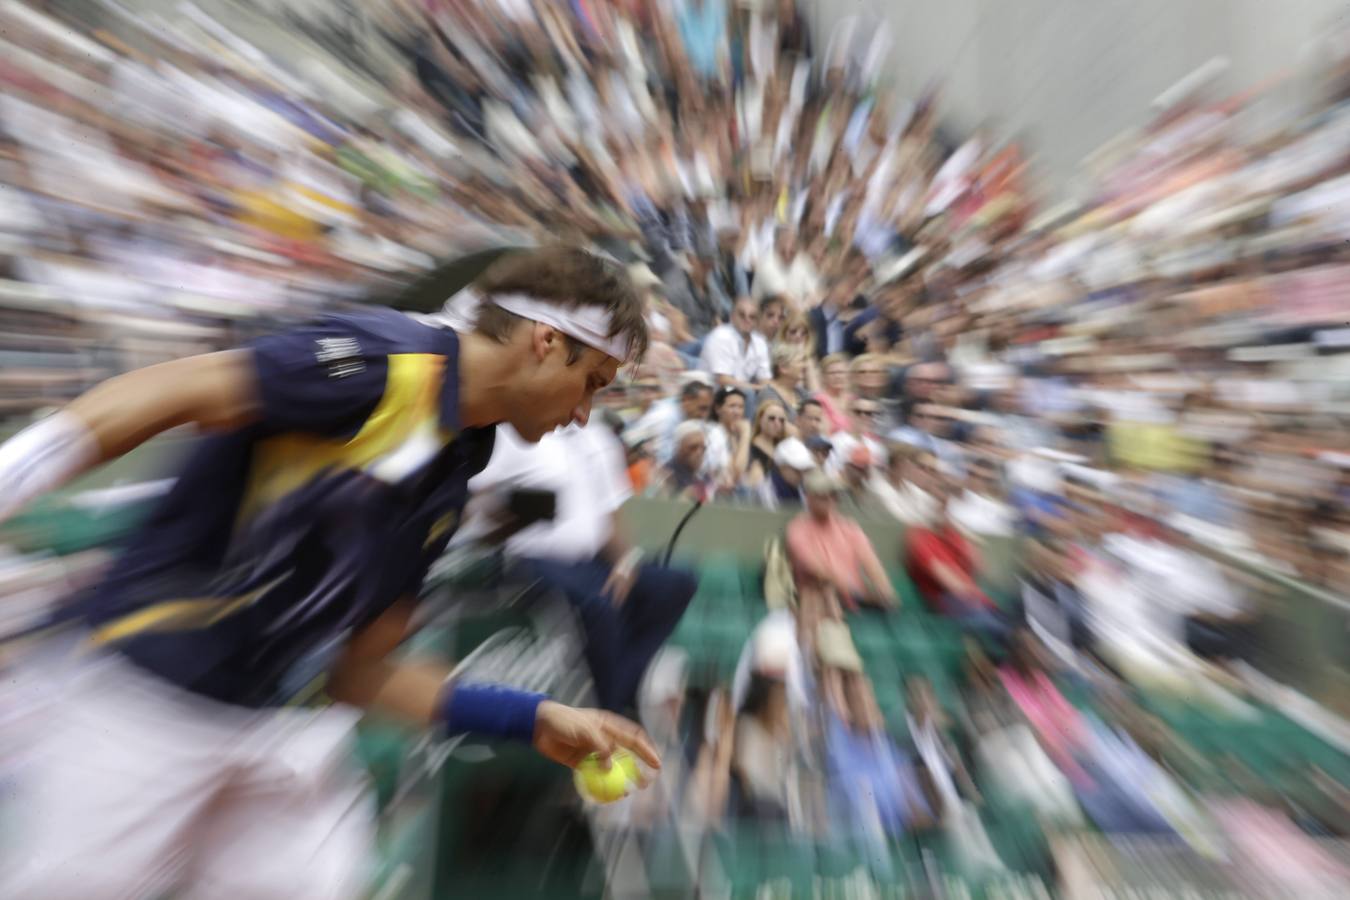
{"points": [[409, 406], [179, 615]]}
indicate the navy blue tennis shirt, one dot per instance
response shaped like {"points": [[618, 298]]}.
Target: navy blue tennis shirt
{"points": [[282, 538]]}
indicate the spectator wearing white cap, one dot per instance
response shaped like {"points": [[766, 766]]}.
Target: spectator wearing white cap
{"points": [[683, 475], [782, 484]]}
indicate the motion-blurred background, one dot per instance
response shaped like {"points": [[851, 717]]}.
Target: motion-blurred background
{"points": [[1073, 279]]}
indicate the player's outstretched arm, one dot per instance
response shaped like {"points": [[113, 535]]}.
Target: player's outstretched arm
{"points": [[423, 695], [215, 390]]}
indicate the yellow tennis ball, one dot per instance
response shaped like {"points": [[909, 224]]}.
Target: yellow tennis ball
{"points": [[596, 784]]}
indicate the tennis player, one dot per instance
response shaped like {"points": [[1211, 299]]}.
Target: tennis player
{"points": [[285, 562]]}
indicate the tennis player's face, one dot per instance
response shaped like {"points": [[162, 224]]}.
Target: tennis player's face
{"points": [[559, 393]]}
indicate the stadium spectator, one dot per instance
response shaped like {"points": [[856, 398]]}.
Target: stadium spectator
{"points": [[830, 550]]}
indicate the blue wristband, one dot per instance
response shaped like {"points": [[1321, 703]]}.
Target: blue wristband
{"points": [[491, 710]]}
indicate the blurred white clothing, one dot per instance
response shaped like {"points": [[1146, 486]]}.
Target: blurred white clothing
{"points": [[136, 788], [583, 467], [983, 516], [726, 352], [909, 503]]}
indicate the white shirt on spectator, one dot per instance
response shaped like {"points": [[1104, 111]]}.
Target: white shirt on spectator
{"points": [[717, 458], [725, 352], [908, 503], [660, 420], [844, 445], [983, 516], [583, 467]]}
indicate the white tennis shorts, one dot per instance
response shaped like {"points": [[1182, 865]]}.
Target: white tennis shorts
{"points": [[121, 785]]}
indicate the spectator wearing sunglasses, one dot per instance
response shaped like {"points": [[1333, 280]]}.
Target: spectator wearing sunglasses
{"points": [[865, 418], [771, 429], [736, 353]]}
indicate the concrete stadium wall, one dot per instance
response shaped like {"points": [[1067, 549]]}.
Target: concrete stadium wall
{"points": [[1072, 74]]}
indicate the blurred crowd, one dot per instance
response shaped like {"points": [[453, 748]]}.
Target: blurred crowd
{"points": [[856, 319]]}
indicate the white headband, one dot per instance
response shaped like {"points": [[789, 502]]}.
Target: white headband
{"points": [[588, 324]]}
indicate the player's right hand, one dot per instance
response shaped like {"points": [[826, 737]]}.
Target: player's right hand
{"points": [[567, 735]]}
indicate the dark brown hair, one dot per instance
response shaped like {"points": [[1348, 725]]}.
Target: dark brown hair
{"points": [[567, 276]]}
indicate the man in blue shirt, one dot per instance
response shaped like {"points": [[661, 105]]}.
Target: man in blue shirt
{"points": [[332, 472]]}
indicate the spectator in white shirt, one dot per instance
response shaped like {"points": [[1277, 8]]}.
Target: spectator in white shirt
{"points": [[660, 421], [736, 354], [627, 608], [728, 439], [787, 271], [982, 511], [907, 488]]}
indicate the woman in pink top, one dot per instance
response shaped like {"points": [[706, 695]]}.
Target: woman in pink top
{"points": [[1057, 723], [834, 397]]}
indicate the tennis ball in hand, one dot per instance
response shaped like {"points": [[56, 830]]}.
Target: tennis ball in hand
{"points": [[594, 783]]}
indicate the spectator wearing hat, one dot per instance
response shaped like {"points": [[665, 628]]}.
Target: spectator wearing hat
{"points": [[791, 463], [830, 550], [683, 475], [770, 694], [821, 449]]}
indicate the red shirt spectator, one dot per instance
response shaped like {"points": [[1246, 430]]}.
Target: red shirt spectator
{"points": [[941, 564]]}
